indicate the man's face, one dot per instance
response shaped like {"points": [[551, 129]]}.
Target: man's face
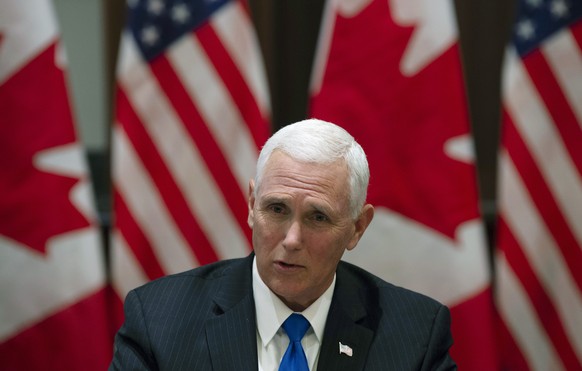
{"points": [[302, 226]]}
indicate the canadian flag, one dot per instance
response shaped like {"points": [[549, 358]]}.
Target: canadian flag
{"points": [[389, 71], [52, 280]]}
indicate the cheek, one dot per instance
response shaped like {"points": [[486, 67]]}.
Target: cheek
{"points": [[327, 251], [265, 234]]}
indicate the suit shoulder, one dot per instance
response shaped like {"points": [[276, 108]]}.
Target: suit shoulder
{"points": [[369, 282], [203, 275]]}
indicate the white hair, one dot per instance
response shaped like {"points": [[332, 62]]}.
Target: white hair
{"points": [[321, 142]]}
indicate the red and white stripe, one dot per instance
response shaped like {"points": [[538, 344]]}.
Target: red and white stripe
{"points": [[539, 260], [188, 130]]}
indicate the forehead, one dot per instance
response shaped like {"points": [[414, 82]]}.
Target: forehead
{"points": [[283, 173]]}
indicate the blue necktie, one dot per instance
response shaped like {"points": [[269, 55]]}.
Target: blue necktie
{"points": [[294, 359]]}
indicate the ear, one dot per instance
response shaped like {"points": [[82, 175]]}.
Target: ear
{"points": [[363, 221], [251, 203]]}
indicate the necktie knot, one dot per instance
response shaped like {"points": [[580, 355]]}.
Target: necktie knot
{"points": [[296, 326]]}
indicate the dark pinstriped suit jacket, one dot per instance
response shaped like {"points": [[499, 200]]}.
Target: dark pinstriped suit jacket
{"points": [[204, 319]]}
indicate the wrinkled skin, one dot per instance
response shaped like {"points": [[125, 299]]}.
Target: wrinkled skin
{"points": [[302, 225]]}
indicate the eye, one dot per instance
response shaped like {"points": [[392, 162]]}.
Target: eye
{"points": [[320, 217], [277, 208]]}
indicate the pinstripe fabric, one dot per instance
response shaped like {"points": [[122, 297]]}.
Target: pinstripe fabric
{"points": [[204, 319]]}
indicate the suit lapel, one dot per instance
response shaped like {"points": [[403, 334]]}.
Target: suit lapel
{"points": [[231, 334], [348, 323]]}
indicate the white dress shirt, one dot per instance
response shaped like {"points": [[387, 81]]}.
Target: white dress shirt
{"points": [[271, 312]]}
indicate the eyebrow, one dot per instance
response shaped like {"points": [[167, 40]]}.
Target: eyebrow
{"points": [[322, 209], [273, 199], [283, 199]]}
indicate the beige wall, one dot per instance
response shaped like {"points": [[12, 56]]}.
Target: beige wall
{"points": [[81, 23]]}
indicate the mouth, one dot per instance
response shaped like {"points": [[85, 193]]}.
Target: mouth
{"points": [[287, 267]]}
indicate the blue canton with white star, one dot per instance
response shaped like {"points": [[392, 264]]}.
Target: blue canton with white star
{"points": [[155, 24], [538, 20]]}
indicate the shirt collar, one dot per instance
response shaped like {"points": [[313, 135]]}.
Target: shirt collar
{"points": [[273, 312]]}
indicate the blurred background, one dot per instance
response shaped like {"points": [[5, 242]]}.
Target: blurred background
{"points": [[192, 112], [287, 32]]}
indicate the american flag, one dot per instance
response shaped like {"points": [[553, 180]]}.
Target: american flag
{"points": [[539, 257], [390, 73], [192, 111], [53, 313]]}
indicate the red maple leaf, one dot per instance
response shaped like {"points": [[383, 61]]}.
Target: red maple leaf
{"points": [[402, 122], [35, 116]]}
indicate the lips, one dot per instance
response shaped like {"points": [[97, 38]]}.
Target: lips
{"points": [[285, 266]]}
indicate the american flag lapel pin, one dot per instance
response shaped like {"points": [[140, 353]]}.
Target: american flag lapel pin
{"points": [[345, 349]]}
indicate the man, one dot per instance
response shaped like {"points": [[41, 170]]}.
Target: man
{"points": [[306, 208]]}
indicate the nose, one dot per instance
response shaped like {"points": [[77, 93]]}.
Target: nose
{"points": [[293, 236]]}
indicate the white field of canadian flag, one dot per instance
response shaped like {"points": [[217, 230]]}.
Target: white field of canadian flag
{"points": [[389, 72], [52, 281]]}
